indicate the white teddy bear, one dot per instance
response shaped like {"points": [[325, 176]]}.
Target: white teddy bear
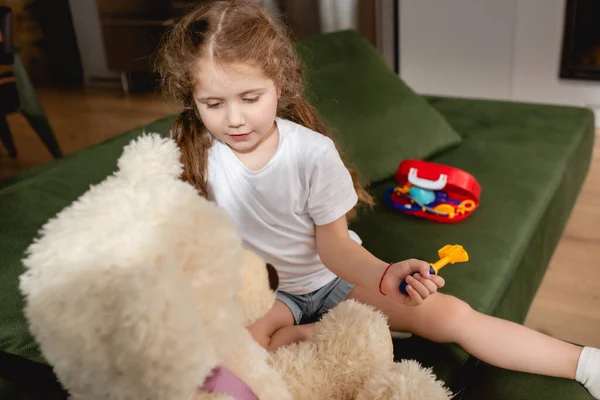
{"points": [[131, 290], [141, 289]]}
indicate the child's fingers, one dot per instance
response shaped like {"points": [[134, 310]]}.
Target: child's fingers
{"points": [[438, 281], [413, 265], [414, 296], [427, 282], [418, 286], [425, 271]]}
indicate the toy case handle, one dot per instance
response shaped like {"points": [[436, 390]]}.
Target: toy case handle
{"points": [[426, 183]]}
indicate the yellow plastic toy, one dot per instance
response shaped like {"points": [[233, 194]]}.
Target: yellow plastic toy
{"points": [[448, 254]]}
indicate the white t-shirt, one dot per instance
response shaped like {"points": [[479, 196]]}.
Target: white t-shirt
{"points": [[276, 208]]}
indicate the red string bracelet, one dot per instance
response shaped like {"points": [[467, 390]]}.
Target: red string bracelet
{"points": [[381, 280]]}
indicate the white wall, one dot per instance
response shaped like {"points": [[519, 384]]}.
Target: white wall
{"points": [[537, 58], [499, 49], [457, 47]]}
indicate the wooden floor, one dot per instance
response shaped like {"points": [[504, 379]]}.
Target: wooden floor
{"points": [[80, 119], [567, 305]]}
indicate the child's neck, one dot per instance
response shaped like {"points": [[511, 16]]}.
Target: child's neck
{"points": [[262, 153]]}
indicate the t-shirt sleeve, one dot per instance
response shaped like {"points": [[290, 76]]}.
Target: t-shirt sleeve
{"points": [[331, 191]]}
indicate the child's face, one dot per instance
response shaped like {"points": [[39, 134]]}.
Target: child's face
{"points": [[237, 104]]}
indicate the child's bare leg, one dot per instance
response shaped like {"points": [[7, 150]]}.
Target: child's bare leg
{"points": [[498, 342], [277, 328], [290, 334]]}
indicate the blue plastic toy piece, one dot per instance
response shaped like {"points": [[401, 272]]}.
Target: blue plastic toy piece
{"points": [[421, 195]]}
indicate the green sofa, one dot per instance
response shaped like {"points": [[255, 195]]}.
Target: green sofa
{"points": [[530, 160]]}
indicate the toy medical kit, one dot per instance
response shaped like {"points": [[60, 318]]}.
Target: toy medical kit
{"points": [[434, 191]]}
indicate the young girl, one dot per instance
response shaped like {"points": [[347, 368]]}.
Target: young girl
{"points": [[253, 144]]}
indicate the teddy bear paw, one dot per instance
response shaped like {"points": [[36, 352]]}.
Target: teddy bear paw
{"points": [[355, 330], [406, 380]]}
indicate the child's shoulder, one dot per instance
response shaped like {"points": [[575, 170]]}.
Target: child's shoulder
{"points": [[309, 141]]}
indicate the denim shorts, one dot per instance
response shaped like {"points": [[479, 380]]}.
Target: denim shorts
{"points": [[306, 307]]}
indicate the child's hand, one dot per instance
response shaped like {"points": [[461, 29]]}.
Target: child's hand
{"points": [[419, 286]]}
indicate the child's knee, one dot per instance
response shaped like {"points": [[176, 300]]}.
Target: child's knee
{"points": [[456, 309], [261, 336], [453, 316], [305, 332]]}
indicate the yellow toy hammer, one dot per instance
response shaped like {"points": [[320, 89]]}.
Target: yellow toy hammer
{"points": [[449, 254]]}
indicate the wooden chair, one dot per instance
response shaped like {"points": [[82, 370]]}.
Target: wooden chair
{"points": [[17, 93]]}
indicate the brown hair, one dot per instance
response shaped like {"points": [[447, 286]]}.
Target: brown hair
{"points": [[232, 31]]}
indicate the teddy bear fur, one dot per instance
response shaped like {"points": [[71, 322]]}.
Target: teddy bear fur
{"points": [[140, 288], [131, 290], [351, 357]]}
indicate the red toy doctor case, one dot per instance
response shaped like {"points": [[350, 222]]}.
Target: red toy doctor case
{"points": [[434, 191]]}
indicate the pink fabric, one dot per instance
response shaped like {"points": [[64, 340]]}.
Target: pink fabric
{"points": [[224, 381]]}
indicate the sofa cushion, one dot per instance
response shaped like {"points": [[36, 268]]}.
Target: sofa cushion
{"points": [[376, 118], [531, 161], [493, 383]]}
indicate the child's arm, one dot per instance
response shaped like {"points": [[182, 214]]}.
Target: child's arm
{"points": [[353, 263]]}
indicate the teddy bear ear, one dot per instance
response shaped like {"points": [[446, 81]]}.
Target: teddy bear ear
{"points": [[150, 155]]}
